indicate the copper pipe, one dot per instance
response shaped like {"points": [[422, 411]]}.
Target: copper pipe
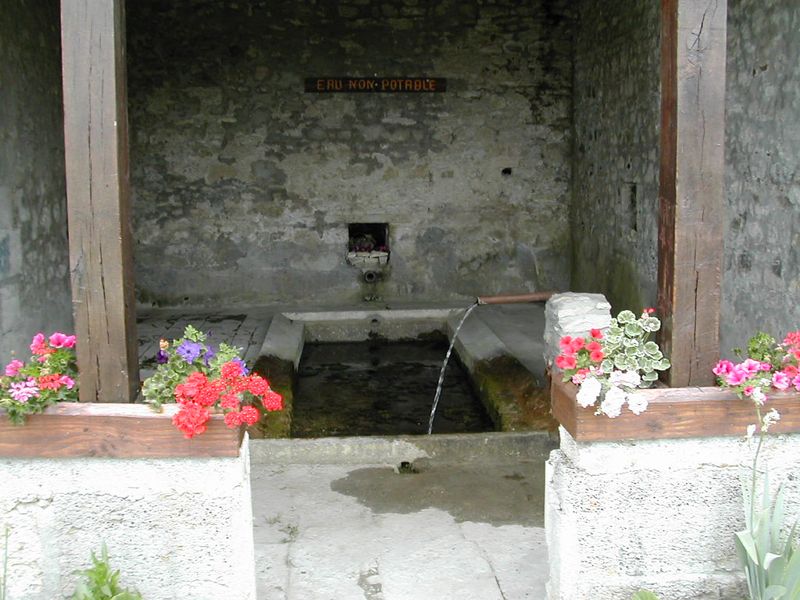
{"points": [[516, 298]]}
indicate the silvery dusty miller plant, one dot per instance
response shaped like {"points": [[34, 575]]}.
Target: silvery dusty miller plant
{"points": [[608, 366]]}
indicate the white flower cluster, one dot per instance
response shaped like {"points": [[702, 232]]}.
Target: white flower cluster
{"points": [[615, 397]]}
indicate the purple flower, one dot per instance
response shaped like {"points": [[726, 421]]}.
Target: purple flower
{"points": [[161, 357], [241, 363], [210, 354], [22, 391], [189, 351]]}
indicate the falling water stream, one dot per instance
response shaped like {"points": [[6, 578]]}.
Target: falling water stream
{"points": [[444, 367]]}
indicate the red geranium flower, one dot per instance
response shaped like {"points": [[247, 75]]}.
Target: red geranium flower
{"points": [[191, 419], [564, 362], [272, 400], [250, 415]]}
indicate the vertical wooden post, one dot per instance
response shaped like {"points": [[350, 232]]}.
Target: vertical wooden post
{"points": [[96, 148], [691, 189]]}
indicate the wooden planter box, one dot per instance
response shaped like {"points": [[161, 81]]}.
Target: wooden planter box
{"points": [[68, 430], [671, 413]]}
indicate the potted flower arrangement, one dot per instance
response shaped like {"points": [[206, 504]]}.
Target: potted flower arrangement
{"points": [[608, 367], [605, 372], [201, 378], [770, 561], [48, 377]]}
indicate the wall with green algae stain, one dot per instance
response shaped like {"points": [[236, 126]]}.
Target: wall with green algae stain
{"points": [[616, 115], [512, 396], [281, 376]]}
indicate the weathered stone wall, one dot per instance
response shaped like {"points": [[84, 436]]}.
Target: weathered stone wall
{"points": [[761, 279], [244, 185], [615, 170], [34, 260]]}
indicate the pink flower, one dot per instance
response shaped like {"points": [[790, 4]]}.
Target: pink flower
{"points": [[566, 343], [565, 362], [22, 391], [577, 343], [12, 368], [37, 344], [751, 366], [723, 368], [780, 380], [796, 383], [60, 340], [67, 381], [736, 376], [748, 391], [596, 334], [765, 366]]}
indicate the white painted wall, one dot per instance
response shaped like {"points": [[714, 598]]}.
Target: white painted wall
{"points": [[176, 528], [654, 514]]}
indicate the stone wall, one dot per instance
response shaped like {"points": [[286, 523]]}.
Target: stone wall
{"points": [[761, 279], [655, 514], [175, 528], [34, 259], [615, 170], [244, 185]]}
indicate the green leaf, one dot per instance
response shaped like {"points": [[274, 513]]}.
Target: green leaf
{"points": [[774, 592], [745, 541], [644, 595], [633, 350], [626, 316], [633, 330], [651, 324], [651, 348]]}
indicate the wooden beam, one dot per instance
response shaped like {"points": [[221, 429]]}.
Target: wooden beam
{"points": [[96, 156], [691, 188]]}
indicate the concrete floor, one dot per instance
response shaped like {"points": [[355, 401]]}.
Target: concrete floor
{"points": [[342, 519]]}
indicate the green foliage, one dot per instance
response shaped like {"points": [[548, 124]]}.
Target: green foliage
{"points": [[644, 595], [764, 348], [628, 348], [101, 583], [771, 564], [4, 571]]}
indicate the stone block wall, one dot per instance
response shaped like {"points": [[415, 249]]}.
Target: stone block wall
{"points": [[34, 259], [175, 528], [616, 111], [655, 514], [244, 185], [761, 277]]}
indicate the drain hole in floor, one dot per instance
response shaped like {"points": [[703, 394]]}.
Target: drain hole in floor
{"points": [[407, 468]]}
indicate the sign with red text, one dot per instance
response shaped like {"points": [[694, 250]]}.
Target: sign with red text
{"points": [[375, 85]]}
